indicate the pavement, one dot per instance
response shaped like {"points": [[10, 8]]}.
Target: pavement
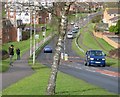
{"points": [[19, 70]]}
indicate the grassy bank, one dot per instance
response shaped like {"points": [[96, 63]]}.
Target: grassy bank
{"points": [[65, 84], [23, 45], [90, 42]]}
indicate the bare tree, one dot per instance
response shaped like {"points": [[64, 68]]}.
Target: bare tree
{"points": [[63, 8]]}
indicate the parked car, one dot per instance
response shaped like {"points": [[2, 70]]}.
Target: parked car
{"points": [[70, 35], [29, 29], [74, 30], [48, 49], [95, 57], [76, 27], [72, 23]]}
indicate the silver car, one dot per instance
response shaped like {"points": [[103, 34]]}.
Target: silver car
{"points": [[70, 35]]}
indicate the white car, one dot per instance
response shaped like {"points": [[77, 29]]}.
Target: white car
{"points": [[70, 35], [76, 27], [72, 23]]}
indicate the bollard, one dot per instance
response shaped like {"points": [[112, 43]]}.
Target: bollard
{"points": [[62, 56], [66, 57]]}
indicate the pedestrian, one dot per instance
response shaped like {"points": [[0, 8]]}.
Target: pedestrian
{"points": [[11, 53], [18, 53]]}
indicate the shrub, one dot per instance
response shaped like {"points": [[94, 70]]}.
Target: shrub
{"points": [[5, 54], [116, 28], [25, 35], [97, 19]]}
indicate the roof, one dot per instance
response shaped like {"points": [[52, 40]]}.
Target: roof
{"points": [[113, 10], [115, 18]]}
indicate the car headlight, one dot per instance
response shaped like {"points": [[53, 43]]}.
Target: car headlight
{"points": [[103, 59], [91, 58]]}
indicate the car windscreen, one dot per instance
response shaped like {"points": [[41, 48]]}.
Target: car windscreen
{"points": [[96, 53]]}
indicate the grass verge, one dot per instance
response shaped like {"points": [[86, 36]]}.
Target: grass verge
{"points": [[89, 41], [23, 45], [65, 84]]}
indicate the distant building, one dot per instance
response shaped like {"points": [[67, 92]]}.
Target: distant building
{"points": [[26, 13], [111, 16], [8, 31]]}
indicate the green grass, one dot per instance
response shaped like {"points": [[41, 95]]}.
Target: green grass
{"points": [[91, 43], [105, 45], [75, 48], [71, 17], [65, 84], [113, 62], [23, 45], [3, 12]]}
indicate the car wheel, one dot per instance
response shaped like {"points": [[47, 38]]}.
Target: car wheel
{"points": [[103, 65], [88, 64], [85, 63]]}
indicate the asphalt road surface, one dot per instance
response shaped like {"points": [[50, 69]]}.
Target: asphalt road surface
{"points": [[105, 77]]}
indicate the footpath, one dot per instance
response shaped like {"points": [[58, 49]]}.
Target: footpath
{"points": [[19, 70]]}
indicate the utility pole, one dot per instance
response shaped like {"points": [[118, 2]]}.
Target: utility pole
{"points": [[30, 32], [34, 45]]}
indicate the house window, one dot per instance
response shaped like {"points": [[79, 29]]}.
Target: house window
{"points": [[26, 13]]}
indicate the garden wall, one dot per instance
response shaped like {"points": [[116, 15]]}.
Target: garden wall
{"points": [[107, 39]]}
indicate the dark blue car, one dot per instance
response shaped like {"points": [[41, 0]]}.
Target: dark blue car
{"points": [[95, 57], [47, 49]]}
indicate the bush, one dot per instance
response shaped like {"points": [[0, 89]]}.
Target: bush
{"points": [[115, 29], [25, 35], [97, 19], [5, 54], [111, 28]]}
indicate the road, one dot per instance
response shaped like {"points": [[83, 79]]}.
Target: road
{"points": [[104, 77]]}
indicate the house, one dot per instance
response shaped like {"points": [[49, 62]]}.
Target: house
{"points": [[111, 16], [113, 21], [9, 32], [86, 6], [25, 12]]}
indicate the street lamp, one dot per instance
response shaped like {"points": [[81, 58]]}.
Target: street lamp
{"points": [[30, 29], [34, 20]]}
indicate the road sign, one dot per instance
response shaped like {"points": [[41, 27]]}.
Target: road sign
{"points": [[66, 57]]}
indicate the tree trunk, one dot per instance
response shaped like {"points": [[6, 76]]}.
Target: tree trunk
{"points": [[56, 58]]}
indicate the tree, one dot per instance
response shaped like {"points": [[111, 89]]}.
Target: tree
{"points": [[111, 28], [60, 10], [116, 28], [97, 19]]}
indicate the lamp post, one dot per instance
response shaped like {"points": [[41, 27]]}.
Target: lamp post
{"points": [[34, 42], [30, 30], [34, 45]]}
